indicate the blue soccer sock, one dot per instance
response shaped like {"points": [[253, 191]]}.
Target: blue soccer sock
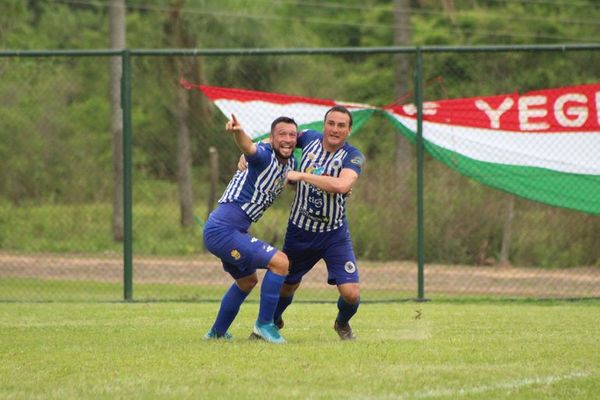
{"points": [[269, 296], [346, 310], [283, 303], [230, 305]]}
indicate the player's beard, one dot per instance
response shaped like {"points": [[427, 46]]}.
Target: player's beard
{"points": [[281, 156]]}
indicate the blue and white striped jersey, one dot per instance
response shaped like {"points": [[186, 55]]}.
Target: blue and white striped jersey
{"points": [[255, 188], [315, 210]]}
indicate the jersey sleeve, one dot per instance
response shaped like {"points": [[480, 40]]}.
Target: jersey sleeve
{"points": [[262, 157], [354, 160], [306, 136]]}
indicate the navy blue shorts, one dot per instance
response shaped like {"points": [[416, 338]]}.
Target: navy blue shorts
{"points": [[304, 249], [226, 236]]}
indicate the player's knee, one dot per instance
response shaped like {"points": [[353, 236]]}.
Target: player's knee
{"points": [[279, 264], [352, 298], [247, 283], [350, 293]]}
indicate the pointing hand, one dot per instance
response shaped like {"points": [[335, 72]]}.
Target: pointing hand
{"points": [[233, 125]]}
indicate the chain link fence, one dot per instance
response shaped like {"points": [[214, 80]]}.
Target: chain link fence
{"points": [[57, 239]]}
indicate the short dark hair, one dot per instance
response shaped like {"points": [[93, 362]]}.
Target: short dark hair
{"points": [[286, 120], [341, 109]]}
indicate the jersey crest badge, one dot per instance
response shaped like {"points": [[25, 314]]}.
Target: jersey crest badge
{"points": [[235, 254]]}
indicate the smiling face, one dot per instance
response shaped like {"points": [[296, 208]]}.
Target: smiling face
{"points": [[336, 129], [283, 140]]}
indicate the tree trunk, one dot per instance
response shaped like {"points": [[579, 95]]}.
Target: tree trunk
{"points": [[449, 10], [184, 159], [402, 80], [117, 41], [213, 156], [178, 38]]}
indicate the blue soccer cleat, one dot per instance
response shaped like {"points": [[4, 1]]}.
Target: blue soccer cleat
{"points": [[212, 335], [267, 332]]}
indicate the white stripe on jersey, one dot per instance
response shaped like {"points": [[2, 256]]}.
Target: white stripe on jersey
{"points": [[256, 190], [315, 210], [234, 188]]}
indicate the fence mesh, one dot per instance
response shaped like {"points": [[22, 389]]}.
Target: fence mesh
{"points": [[57, 241]]}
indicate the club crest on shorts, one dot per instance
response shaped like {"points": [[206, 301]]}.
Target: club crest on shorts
{"points": [[350, 267], [235, 254]]}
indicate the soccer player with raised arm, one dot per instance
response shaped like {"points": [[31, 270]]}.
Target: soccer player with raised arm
{"points": [[248, 195], [317, 228]]}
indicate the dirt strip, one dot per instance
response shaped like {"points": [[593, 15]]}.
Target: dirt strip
{"points": [[401, 275]]}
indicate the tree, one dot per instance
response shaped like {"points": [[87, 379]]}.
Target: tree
{"points": [[402, 78], [179, 36]]}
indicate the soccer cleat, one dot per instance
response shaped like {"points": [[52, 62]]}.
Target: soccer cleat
{"points": [[212, 335], [279, 324], [345, 331], [267, 332], [254, 336]]}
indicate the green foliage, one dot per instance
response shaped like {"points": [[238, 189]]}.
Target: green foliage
{"points": [[463, 223], [56, 145]]}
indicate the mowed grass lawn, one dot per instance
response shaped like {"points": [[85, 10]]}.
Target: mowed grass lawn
{"points": [[436, 350]]}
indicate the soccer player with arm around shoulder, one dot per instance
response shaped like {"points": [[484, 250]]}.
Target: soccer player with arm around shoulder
{"points": [[248, 195], [318, 228]]}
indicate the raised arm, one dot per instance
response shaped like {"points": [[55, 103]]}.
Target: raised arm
{"points": [[341, 184], [243, 141]]}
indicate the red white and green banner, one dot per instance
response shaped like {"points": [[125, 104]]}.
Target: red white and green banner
{"points": [[256, 110], [542, 145]]}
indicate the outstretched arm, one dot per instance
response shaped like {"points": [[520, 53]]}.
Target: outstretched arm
{"points": [[243, 141], [341, 184]]}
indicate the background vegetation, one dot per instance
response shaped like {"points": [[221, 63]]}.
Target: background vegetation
{"points": [[55, 143]]}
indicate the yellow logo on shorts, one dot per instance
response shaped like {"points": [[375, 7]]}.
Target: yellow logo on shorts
{"points": [[235, 254]]}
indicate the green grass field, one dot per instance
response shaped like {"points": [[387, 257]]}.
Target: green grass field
{"points": [[437, 350], [44, 290]]}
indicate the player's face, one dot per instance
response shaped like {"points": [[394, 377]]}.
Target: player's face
{"points": [[283, 139], [336, 130]]}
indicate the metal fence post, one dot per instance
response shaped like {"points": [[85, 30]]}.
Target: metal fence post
{"points": [[127, 180], [420, 162]]}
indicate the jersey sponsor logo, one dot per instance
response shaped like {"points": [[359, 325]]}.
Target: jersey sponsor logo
{"points": [[350, 267], [235, 254], [315, 201], [314, 170], [358, 160], [308, 214]]}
